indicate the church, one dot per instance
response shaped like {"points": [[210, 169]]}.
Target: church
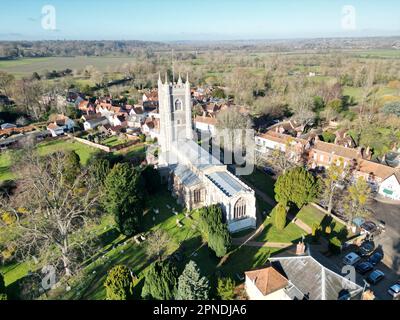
{"points": [[195, 177]]}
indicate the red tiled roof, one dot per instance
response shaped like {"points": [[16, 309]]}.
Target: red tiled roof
{"points": [[267, 280], [207, 120]]}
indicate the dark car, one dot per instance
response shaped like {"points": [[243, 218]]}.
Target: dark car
{"points": [[375, 276], [364, 267], [375, 258], [269, 171], [369, 227], [366, 248]]}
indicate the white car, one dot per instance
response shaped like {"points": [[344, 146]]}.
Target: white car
{"points": [[394, 290], [351, 259]]}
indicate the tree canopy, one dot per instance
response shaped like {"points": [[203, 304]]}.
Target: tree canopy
{"points": [[119, 283], [161, 281], [191, 285], [296, 186]]}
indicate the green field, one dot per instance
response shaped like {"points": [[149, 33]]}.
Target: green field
{"points": [[85, 153], [26, 66]]}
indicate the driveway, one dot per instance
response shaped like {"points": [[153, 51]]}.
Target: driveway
{"points": [[390, 239]]}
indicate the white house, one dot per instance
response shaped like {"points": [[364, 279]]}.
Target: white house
{"points": [[390, 187], [94, 123], [55, 130], [60, 125], [205, 124]]}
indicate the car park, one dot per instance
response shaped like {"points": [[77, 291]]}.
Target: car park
{"points": [[375, 277], [351, 259], [375, 258], [366, 248], [394, 290], [364, 267]]}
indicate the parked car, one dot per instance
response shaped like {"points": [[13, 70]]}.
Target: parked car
{"points": [[394, 290], [364, 267], [375, 276], [269, 171], [351, 259], [375, 258], [366, 248], [369, 227]]}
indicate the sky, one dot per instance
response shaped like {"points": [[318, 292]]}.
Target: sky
{"points": [[170, 20]]}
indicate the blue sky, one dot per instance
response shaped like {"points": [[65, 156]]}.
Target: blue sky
{"points": [[196, 19]]}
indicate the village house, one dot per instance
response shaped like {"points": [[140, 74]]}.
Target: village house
{"points": [[205, 124], [151, 127], [60, 125], [299, 278], [8, 126], [390, 187], [94, 123], [317, 154]]}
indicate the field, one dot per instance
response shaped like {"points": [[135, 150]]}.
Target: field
{"points": [[85, 153], [25, 67]]}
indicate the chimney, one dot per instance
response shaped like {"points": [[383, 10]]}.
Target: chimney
{"points": [[300, 248], [360, 152]]}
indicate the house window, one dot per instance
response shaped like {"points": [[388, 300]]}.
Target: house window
{"points": [[197, 196], [321, 157], [178, 105], [239, 211]]}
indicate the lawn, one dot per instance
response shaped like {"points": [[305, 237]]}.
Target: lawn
{"points": [[113, 141], [310, 215], [261, 181], [85, 153]]}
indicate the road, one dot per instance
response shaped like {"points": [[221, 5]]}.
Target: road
{"points": [[390, 239]]}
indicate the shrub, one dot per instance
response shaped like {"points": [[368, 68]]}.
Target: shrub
{"points": [[119, 283], [226, 289], [280, 216]]}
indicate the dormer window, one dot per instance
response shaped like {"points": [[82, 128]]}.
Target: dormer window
{"points": [[178, 105]]}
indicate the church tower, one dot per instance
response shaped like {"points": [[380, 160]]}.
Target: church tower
{"points": [[175, 108]]}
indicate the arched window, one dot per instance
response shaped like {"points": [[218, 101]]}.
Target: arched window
{"points": [[197, 196], [178, 105], [239, 211]]}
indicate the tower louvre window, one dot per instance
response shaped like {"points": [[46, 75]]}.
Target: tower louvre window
{"points": [[178, 105], [239, 211]]}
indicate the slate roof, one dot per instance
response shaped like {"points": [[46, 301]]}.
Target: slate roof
{"points": [[226, 183], [187, 177], [315, 281]]}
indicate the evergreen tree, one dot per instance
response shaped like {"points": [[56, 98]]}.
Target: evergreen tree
{"points": [[124, 197], [226, 289], [152, 179], [191, 286], [72, 166], [160, 281], [119, 283], [280, 216], [100, 168], [296, 186], [214, 230]]}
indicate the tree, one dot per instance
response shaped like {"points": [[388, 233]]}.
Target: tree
{"points": [[336, 105], [214, 230], [3, 294], [280, 216], [335, 176], [296, 186], [152, 179], [161, 281], [119, 283], [72, 166], [124, 197], [226, 289], [191, 286], [6, 81], [157, 244], [356, 200], [100, 168], [51, 213]]}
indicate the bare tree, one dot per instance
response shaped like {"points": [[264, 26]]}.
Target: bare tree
{"points": [[51, 207], [157, 244], [6, 81]]}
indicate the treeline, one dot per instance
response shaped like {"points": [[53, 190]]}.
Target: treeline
{"points": [[33, 49]]}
